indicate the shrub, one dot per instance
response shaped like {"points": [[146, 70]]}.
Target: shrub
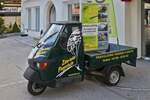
{"points": [[2, 26], [15, 28], [9, 28]]}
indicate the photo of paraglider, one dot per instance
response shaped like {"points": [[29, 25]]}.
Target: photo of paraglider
{"points": [[103, 27], [103, 13], [103, 36], [103, 40]]}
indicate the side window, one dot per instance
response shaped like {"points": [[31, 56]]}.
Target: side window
{"points": [[66, 34], [64, 38], [75, 28]]}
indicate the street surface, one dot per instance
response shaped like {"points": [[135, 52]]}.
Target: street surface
{"points": [[13, 61]]}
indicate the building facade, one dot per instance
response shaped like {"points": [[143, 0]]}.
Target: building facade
{"points": [[37, 14]]}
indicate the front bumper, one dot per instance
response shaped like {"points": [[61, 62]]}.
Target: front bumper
{"points": [[32, 75]]}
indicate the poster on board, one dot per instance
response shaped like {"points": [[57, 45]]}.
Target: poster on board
{"points": [[99, 24]]}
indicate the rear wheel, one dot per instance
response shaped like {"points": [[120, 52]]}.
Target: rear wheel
{"points": [[113, 76], [35, 89]]}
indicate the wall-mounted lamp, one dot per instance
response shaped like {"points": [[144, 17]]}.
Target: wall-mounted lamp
{"points": [[1, 5]]}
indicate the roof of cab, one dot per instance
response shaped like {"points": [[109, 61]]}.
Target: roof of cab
{"points": [[66, 22]]}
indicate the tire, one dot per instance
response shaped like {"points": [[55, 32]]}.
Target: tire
{"points": [[35, 89], [99, 1], [113, 76]]}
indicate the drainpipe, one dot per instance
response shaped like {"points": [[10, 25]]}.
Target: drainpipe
{"points": [[80, 10]]}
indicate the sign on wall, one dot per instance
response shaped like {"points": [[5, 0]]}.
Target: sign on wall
{"points": [[99, 22]]}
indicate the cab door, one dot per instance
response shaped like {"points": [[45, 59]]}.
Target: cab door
{"points": [[71, 52]]}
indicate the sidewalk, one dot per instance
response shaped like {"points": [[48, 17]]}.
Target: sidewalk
{"points": [[5, 35], [30, 41]]}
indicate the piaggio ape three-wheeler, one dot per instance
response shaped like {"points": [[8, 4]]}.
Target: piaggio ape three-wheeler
{"points": [[59, 58]]}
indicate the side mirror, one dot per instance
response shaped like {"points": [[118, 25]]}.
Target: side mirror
{"points": [[41, 33]]}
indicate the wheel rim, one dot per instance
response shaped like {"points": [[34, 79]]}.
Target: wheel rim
{"points": [[114, 77], [36, 88]]}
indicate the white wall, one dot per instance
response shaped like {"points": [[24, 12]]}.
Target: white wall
{"points": [[133, 25], [44, 9], [61, 10], [119, 7]]}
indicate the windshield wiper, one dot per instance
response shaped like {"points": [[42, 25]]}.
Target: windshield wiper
{"points": [[50, 36], [40, 43]]}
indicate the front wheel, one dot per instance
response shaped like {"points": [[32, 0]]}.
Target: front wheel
{"points": [[35, 89]]}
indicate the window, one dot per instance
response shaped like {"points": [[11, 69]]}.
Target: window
{"points": [[37, 19], [64, 38], [29, 18], [52, 16], [66, 34], [74, 12], [53, 30]]}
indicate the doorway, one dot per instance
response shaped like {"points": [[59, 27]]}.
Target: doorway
{"points": [[146, 29], [52, 14]]}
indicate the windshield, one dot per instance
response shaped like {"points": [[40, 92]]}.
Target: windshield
{"points": [[51, 34]]}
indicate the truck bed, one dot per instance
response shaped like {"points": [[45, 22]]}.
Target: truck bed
{"points": [[118, 54]]}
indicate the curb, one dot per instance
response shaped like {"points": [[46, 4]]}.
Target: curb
{"points": [[11, 34]]}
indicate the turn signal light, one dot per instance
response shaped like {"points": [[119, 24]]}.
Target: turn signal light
{"points": [[43, 65]]}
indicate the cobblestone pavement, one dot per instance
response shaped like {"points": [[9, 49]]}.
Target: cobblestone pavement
{"points": [[13, 62]]}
